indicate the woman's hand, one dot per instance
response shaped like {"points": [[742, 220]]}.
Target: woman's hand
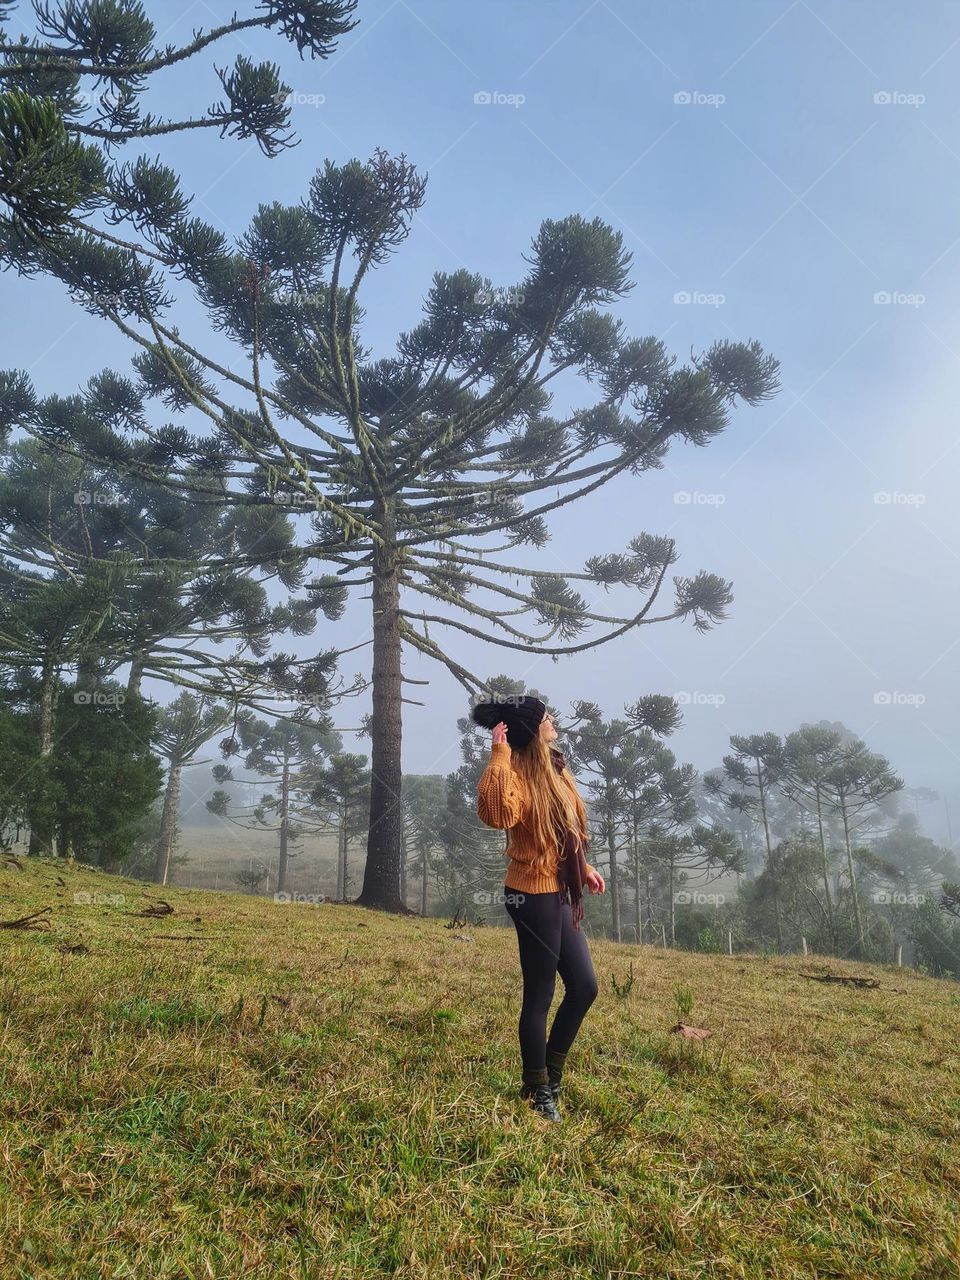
{"points": [[595, 882], [499, 733]]}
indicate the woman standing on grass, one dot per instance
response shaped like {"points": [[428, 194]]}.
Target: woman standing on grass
{"points": [[528, 790]]}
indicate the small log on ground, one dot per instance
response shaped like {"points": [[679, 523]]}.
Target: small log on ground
{"points": [[846, 980]]}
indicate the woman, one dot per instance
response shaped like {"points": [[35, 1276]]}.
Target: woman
{"points": [[527, 789]]}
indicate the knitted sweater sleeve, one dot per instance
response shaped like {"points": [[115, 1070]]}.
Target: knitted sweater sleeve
{"points": [[500, 794]]}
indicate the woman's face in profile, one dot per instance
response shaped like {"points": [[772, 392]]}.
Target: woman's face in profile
{"points": [[548, 730]]}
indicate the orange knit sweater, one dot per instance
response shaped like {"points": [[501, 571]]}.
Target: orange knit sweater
{"points": [[500, 803]]}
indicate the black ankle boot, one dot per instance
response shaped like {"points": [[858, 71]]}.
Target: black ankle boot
{"points": [[542, 1100]]}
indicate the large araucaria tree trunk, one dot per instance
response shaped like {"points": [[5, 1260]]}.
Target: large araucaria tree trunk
{"points": [[381, 880]]}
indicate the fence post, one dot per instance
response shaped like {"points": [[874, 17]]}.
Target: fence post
{"points": [[804, 941], [899, 954], [729, 942]]}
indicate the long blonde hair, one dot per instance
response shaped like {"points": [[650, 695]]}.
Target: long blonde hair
{"points": [[551, 808]]}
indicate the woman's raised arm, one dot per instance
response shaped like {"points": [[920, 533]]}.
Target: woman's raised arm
{"points": [[500, 796]]}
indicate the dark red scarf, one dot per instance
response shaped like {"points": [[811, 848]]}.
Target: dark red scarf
{"points": [[573, 864]]}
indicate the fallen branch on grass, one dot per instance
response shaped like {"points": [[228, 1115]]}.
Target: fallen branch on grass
{"points": [[843, 978], [32, 921], [154, 913]]}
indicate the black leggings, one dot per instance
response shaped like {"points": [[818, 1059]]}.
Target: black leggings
{"points": [[549, 944]]}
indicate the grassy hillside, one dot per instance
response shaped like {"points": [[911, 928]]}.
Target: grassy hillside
{"points": [[249, 1089]]}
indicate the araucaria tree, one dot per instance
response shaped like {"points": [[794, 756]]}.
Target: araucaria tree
{"points": [[288, 752], [71, 91], [339, 791], [752, 771], [184, 725], [633, 782], [421, 471]]}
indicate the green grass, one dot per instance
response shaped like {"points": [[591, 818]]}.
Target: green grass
{"points": [[329, 1092]]}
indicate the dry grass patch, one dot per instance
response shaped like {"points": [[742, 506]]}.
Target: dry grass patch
{"points": [[244, 1088]]}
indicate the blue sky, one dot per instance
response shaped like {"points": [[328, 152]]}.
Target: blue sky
{"points": [[806, 194]]}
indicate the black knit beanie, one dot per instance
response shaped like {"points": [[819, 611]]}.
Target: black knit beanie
{"points": [[521, 713]]}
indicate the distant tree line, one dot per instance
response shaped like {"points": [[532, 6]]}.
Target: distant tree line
{"points": [[792, 840]]}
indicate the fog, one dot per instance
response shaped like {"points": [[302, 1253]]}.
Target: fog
{"points": [[785, 173]]}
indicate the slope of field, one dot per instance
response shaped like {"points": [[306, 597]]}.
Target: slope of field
{"points": [[243, 1088]]}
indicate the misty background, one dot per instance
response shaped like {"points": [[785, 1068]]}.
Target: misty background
{"points": [[780, 172]]}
